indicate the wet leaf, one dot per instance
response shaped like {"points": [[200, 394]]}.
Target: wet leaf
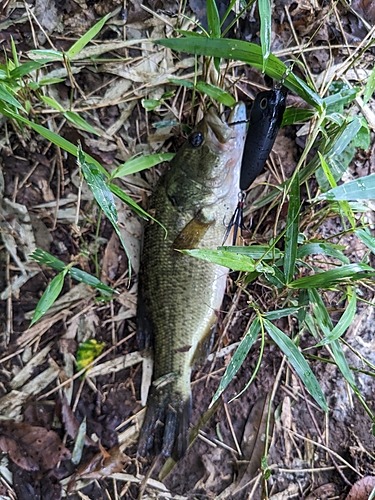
{"points": [[87, 352], [103, 464], [299, 363], [31, 447], [359, 189]]}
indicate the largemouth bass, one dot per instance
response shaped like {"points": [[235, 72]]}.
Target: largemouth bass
{"points": [[178, 295]]}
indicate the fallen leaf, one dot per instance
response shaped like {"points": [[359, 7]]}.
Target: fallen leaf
{"points": [[71, 423], [31, 447], [362, 488]]}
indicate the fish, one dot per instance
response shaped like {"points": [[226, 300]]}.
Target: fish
{"points": [[266, 116], [178, 295]]}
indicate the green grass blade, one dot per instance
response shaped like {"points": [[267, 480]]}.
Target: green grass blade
{"points": [[47, 259], [213, 19], [256, 251], [90, 280], [46, 55], [86, 38], [140, 163], [52, 103], [237, 262], [238, 358], [291, 235], [80, 122], [296, 115], [359, 189], [102, 194], [25, 69], [344, 322], [52, 137], [49, 296], [298, 362], [343, 366], [7, 97], [370, 87], [281, 313], [327, 279], [366, 237], [328, 249], [264, 7], [320, 312], [216, 93], [248, 53]]}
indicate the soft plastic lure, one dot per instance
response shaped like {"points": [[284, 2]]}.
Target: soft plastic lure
{"points": [[265, 119]]}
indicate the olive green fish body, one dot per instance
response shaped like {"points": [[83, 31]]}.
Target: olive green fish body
{"points": [[179, 295]]}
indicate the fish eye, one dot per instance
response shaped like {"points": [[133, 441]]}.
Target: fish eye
{"points": [[263, 103], [196, 139]]}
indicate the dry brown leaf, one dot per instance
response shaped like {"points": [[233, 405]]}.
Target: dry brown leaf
{"points": [[71, 423], [30, 447], [362, 488]]}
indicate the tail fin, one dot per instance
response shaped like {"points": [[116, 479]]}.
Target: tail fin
{"points": [[166, 426]]}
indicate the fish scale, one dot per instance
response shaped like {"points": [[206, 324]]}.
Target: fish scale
{"points": [[179, 296]]}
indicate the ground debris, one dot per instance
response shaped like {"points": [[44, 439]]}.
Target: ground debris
{"points": [[31, 448]]}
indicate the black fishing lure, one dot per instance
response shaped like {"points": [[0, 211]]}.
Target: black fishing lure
{"points": [[265, 119]]}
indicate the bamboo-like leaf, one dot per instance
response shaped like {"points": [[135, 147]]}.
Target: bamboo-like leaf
{"points": [[291, 234], [248, 53], [213, 19], [264, 7], [359, 189], [49, 260], [296, 115], [140, 163], [102, 194], [237, 262], [49, 296], [366, 237], [238, 358], [344, 322], [298, 362], [370, 87], [255, 251], [281, 313], [52, 103], [25, 69], [86, 38], [7, 97], [52, 137], [216, 93], [80, 122], [328, 249], [327, 279]]}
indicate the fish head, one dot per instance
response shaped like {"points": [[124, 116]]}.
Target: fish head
{"points": [[207, 168]]}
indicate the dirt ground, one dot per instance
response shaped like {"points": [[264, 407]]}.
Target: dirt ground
{"points": [[311, 455]]}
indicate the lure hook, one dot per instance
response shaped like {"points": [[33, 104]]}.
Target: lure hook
{"points": [[236, 222]]}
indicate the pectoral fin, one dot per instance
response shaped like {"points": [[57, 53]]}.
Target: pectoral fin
{"points": [[192, 233]]}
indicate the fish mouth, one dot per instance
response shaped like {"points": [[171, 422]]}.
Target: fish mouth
{"points": [[225, 131]]}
